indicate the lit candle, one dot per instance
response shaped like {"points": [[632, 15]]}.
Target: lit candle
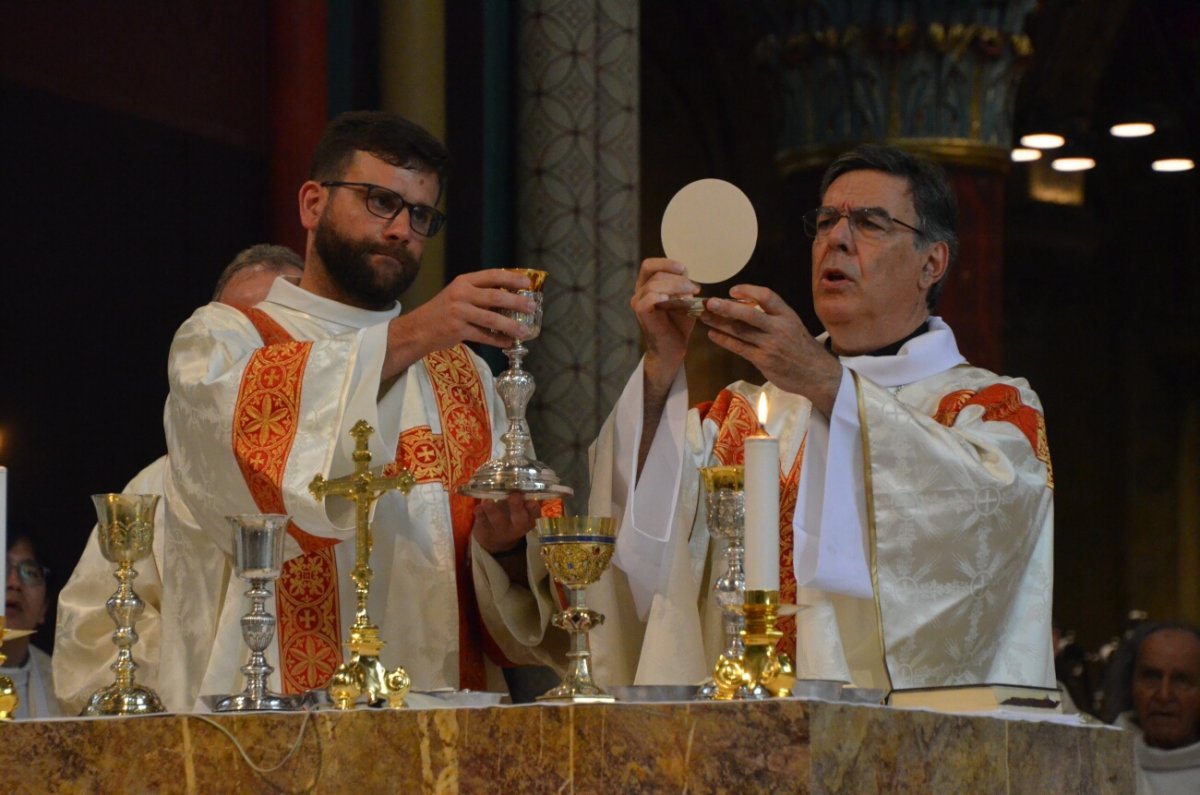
{"points": [[762, 507]]}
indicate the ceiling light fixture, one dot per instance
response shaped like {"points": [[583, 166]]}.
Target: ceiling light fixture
{"points": [[1168, 164], [1025, 155], [1072, 164], [1133, 129], [1043, 140]]}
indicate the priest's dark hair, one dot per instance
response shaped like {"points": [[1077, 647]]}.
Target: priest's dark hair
{"points": [[274, 257], [392, 138], [937, 209]]}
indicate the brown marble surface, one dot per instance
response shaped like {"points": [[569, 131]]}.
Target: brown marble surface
{"points": [[776, 746]]}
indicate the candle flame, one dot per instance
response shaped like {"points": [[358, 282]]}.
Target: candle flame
{"points": [[762, 409]]}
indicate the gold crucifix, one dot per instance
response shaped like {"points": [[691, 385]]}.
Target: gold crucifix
{"points": [[364, 673]]}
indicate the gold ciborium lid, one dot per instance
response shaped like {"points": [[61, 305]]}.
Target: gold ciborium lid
{"points": [[576, 549]]}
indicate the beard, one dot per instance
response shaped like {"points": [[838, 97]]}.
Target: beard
{"points": [[348, 263]]}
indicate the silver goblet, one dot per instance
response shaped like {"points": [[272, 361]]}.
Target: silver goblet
{"points": [[258, 558], [726, 514], [517, 469]]}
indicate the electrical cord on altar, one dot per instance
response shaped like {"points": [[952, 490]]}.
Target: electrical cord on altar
{"points": [[262, 771]]}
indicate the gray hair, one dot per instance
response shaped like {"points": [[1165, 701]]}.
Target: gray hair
{"points": [[933, 199], [277, 258], [1118, 696]]}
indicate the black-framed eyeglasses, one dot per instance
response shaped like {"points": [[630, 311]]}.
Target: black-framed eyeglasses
{"points": [[29, 571], [872, 223], [386, 203]]}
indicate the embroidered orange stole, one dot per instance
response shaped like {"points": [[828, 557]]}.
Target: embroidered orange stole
{"points": [[450, 458], [735, 421], [264, 428]]}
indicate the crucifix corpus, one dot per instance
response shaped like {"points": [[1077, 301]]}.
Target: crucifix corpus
{"points": [[364, 674]]}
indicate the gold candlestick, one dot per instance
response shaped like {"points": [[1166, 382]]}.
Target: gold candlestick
{"points": [[760, 671], [364, 674]]}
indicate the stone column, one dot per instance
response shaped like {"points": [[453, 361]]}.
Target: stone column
{"points": [[577, 209], [936, 78]]}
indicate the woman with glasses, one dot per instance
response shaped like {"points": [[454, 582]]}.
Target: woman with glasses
{"points": [[25, 601]]}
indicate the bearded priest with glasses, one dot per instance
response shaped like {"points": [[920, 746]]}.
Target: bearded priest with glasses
{"points": [[263, 398], [916, 493]]}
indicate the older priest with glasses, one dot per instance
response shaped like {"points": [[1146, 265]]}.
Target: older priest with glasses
{"points": [[916, 495], [263, 398]]}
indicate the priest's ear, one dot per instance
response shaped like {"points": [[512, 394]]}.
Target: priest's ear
{"points": [[937, 259], [312, 204]]}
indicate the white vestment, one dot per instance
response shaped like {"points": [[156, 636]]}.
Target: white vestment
{"points": [[924, 505], [1161, 771], [413, 598], [34, 682], [83, 647]]}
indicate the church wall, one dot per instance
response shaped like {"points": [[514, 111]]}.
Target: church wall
{"points": [[136, 169]]}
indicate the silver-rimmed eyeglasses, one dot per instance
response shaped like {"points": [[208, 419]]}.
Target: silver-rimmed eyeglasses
{"points": [[872, 223], [30, 572], [386, 203]]}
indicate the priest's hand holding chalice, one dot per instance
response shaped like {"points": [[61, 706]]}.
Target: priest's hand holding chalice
{"points": [[516, 470]]}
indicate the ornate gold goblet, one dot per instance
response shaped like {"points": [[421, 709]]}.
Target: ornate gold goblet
{"points": [[126, 534], [517, 469], [726, 517], [577, 550]]}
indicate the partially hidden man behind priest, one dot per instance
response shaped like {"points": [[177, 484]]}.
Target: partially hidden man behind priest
{"points": [[916, 494], [262, 399]]}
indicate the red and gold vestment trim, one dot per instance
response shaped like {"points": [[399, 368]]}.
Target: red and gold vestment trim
{"points": [[1002, 403], [266, 417], [451, 457]]}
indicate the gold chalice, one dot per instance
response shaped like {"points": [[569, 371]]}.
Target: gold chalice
{"points": [[126, 535], [577, 550]]}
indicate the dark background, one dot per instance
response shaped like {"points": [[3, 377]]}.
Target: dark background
{"points": [[136, 166]]}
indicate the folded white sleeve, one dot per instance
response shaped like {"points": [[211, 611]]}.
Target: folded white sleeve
{"points": [[644, 534]]}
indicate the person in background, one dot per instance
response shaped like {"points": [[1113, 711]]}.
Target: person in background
{"points": [[83, 635], [1159, 701], [26, 599]]}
